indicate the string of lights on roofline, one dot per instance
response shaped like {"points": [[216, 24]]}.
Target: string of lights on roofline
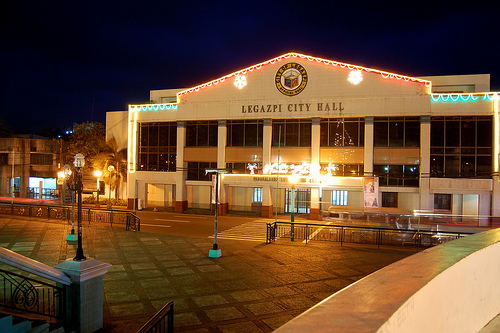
{"points": [[454, 97], [355, 75]]}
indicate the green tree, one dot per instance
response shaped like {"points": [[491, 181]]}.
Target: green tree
{"points": [[112, 156], [88, 138]]}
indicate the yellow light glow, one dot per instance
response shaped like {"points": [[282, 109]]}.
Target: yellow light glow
{"points": [[497, 135], [97, 173], [132, 139], [293, 179]]}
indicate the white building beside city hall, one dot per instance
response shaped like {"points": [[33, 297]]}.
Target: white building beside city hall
{"points": [[354, 137]]}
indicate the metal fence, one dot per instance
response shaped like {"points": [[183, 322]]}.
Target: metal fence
{"points": [[25, 294], [130, 220], [162, 321], [358, 234]]}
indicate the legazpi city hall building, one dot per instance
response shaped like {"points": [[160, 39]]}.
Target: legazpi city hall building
{"points": [[335, 134]]}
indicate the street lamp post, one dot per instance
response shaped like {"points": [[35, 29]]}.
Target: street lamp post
{"points": [[292, 179], [98, 174], [79, 164], [215, 252], [111, 168], [61, 176], [67, 173]]}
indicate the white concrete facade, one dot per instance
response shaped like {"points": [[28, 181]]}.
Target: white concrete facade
{"points": [[317, 91]]}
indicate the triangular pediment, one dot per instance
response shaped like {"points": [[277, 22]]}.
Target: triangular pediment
{"points": [[353, 74]]}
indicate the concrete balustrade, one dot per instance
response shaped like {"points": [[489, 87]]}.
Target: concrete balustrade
{"points": [[448, 288]]}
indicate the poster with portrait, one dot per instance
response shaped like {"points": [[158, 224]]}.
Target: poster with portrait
{"points": [[370, 191]]}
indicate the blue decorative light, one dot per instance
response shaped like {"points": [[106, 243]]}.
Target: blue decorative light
{"points": [[454, 97], [155, 107]]}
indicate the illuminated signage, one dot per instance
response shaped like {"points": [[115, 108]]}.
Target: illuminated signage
{"points": [[292, 107], [297, 169]]}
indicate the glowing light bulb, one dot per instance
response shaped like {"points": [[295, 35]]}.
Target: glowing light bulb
{"points": [[240, 81], [355, 76]]}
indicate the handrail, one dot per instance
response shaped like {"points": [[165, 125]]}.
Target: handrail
{"points": [[157, 322], [360, 234], [30, 295], [63, 212], [32, 266]]}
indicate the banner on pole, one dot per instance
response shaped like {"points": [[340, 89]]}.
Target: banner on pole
{"points": [[370, 191]]}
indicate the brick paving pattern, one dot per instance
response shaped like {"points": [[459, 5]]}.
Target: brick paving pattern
{"points": [[253, 287]]}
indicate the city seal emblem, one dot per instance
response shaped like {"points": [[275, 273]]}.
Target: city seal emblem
{"points": [[291, 79]]}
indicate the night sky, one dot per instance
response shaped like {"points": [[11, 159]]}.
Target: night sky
{"points": [[72, 61]]}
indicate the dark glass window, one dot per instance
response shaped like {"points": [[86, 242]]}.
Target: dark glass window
{"points": [[244, 133], [461, 146], [197, 170], [390, 199], [397, 175], [442, 201], [294, 133], [342, 132], [42, 159], [157, 146], [201, 133], [4, 158], [396, 132], [343, 170]]}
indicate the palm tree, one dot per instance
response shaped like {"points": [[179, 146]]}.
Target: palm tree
{"points": [[112, 156]]}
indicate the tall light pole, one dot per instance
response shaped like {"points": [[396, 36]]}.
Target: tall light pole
{"points": [[79, 164], [215, 252], [62, 177], [67, 173], [292, 179], [111, 168], [98, 174]]}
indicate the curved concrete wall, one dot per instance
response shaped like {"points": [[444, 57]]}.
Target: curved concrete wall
{"points": [[453, 287]]}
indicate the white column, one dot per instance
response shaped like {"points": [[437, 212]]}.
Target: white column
{"points": [[315, 212], [425, 163], [267, 141], [181, 172], [368, 156]]}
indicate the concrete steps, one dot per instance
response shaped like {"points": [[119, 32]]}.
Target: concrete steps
{"points": [[14, 324]]}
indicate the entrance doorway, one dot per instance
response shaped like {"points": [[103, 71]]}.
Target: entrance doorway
{"points": [[302, 201]]}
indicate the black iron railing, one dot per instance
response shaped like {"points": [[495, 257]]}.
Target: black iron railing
{"points": [[130, 220], [358, 234], [24, 294], [162, 321]]}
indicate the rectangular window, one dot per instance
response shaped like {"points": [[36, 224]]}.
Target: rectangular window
{"points": [[294, 133], [396, 132], [397, 175], [342, 170], [257, 194], [244, 133], [442, 201], [461, 146], [201, 133], [390, 199], [339, 198], [342, 132], [42, 159], [157, 146], [4, 158], [197, 170]]}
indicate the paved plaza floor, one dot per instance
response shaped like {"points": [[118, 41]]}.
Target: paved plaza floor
{"points": [[253, 287]]}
